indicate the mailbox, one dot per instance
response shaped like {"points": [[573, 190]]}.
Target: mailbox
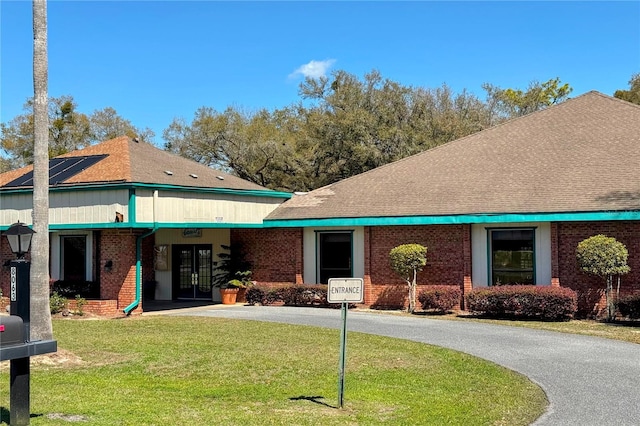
{"points": [[11, 331]]}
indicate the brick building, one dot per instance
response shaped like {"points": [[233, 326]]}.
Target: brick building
{"points": [[508, 204], [505, 205], [125, 214]]}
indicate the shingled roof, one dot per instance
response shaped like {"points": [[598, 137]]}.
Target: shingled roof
{"points": [[127, 161], [582, 155]]}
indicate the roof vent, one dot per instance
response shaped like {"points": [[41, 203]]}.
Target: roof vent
{"points": [[220, 177], [194, 176], [168, 172]]}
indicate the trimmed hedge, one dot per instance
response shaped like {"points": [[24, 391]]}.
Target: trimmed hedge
{"points": [[439, 298], [71, 289], [291, 295], [629, 306], [524, 301], [262, 295]]}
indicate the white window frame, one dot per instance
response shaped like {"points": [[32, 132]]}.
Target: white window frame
{"points": [[480, 249], [56, 253]]}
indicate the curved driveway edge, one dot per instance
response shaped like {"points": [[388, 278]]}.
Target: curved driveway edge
{"points": [[588, 380]]}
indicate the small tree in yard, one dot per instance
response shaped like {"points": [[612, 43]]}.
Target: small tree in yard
{"points": [[604, 257], [407, 260]]}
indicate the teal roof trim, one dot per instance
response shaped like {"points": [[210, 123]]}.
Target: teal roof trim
{"points": [[145, 225], [368, 221], [456, 219], [129, 185]]}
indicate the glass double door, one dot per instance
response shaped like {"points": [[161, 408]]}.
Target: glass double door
{"points": [[192, 271]]}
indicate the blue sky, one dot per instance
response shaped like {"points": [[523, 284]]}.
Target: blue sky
{"points": [[156, 60]]}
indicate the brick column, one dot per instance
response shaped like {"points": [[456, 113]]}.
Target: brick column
{"points": [[119, 283], [300, 256], [368, 288], [467, 284], [555, 269]]}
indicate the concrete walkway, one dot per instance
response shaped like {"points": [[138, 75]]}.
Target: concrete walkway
{"points": [[588, 380]]}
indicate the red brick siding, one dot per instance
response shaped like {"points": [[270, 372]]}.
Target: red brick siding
{"points": [[5, 255], [448, 259], [275, 254], [119, 283], [104, 308], [589, 288], [148, 273]]}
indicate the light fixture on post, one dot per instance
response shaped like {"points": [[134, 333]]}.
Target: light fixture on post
{"points": [[19, 236]]}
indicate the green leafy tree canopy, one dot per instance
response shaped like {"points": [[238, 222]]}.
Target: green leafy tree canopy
{"points": [[510, 103], [602, 256], [633, 94], [68, 130]]}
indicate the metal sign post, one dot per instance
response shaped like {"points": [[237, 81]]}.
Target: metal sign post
{"points": [[344, 291]]}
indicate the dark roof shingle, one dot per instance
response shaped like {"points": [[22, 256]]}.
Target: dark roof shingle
{"points": [[130, 162], [579, 156]]}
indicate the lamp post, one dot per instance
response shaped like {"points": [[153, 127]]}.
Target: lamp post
{"points": [[19, 236]]}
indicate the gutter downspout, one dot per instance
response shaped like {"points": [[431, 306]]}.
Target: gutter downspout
{"points": [[139, 239]]}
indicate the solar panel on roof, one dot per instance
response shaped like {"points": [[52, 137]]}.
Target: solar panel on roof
{"points": [[60, 169]]}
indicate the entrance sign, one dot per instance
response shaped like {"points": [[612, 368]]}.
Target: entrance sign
{"points": [[345, 290]]}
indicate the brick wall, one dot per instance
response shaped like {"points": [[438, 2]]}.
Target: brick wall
{"points": [[589, 288], [448, 260], [148, 273], [5, 255], [275, 254], [119, 284]]}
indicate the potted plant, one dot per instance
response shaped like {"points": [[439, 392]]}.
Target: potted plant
{"points": [[232, 275], [242, 282], [229, 293]]}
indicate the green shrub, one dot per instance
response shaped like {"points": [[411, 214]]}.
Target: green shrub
{"points": [[524, 301], [407, 260], [262, 295], [303, 295], [604, 257], [70, 289], [57, 303], [440, 298], [80, 302], [629, 306], [291, 295]]}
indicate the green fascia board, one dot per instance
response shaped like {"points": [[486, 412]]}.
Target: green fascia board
{"points": [[148, 225], [370, 221], [455, 219], [130, 185], [143, 225]]}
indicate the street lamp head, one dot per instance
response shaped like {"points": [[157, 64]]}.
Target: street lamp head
{"points": [[19, 236]]}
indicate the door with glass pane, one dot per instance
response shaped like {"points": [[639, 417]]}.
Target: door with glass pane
{"points": [[74, 257], [335, 253], [191, 270]]}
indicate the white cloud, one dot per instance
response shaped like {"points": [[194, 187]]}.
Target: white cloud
{"points": [[313, 69]]}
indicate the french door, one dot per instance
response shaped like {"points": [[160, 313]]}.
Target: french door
{"points": [[192, 271]]}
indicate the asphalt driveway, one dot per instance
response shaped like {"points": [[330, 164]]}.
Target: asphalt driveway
{"points": [[588, 380]]}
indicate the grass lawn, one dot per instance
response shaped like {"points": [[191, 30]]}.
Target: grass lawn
{"points": [[628, 331], [211, 371]]}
